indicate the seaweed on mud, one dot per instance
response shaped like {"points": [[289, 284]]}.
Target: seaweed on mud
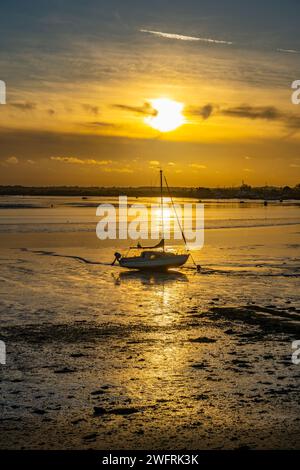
{"points": [[269, 320], [83, 332]]}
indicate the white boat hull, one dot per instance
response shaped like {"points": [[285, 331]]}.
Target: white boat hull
{"points": [[162, 263]]}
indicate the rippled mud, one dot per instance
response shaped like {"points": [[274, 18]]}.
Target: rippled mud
{"points": [[220, 378]]}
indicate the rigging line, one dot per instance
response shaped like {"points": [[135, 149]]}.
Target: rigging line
{"points": [[127, 252], [178, 221], [162, 204]]}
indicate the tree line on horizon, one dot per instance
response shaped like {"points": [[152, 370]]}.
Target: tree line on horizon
{"points": [[242, 192]]}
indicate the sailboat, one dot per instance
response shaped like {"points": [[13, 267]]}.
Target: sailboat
{"points": [[154, 258]]}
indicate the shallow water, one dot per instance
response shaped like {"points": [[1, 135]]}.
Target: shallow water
{"points": [[60, 214], [196, 360]]}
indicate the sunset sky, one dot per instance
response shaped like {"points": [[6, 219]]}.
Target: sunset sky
{"points": [[83, 78]]}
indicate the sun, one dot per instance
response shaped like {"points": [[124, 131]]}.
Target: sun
{"points": [[168, 115]]}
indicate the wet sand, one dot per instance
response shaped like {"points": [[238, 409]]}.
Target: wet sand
{"points": [[222, 378], [104, 359]]}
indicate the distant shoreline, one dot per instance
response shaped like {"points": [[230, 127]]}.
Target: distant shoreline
{"points": [[242, 192]]}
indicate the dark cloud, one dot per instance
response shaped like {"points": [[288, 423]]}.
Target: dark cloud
{"points": [[204, 111], [91, 109], [245, 111], [146, 109], [293, 122], [102, 124], [207, 111], [270, 113], [24, 106]]}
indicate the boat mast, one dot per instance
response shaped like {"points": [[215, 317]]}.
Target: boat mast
{"points": [[162, 204]]}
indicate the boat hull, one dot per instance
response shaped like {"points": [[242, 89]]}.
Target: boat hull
{"points": [[159, 264]]}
